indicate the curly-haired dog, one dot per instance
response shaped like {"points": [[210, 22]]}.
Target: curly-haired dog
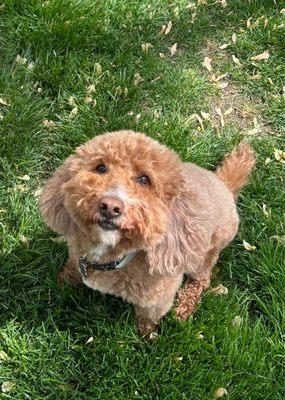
{"points": [[137, 219]]}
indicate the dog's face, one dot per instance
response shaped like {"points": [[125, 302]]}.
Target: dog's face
{"points": [[124, 183]]}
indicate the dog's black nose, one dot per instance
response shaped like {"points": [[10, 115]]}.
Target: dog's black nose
{"points": [[110, 207]]}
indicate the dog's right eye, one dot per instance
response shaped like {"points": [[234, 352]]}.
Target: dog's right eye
{"points": [[101, 168]]}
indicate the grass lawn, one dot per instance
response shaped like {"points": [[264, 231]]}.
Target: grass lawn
{"points": [[198, 76]]}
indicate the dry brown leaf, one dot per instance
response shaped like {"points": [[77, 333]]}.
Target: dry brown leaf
{"points": [[234, 38], [73, 112], [8, 386], [138, 79], [137, 118], [90, 340], [173, 49], [38, 192], [145, 47], [21, 60], [31, 65], [71, 101], [24, 239], [98, 68], [153, 336], [220, 392], [223, 46], [162, 55], [22, 188], [3, 356], [205, 115], [207, 64], [255, 77], [222, 85], [237, 320], [126, 91], [219, 111], [200, 336], [91, 88], [265, 211], [254, 131], [24, 177], [162, 30], [224, 3], [3, 102], [48, 123], [248, 23], [267, 161], [248, 246], [263, 56], [279, 155], [168, 28], [236, 60], [94, 104], [220, 290], [282, 11], [118, 91], [228, 111], [87, 99]]}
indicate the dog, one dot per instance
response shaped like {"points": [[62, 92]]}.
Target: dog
{"points": [[138, 220]]}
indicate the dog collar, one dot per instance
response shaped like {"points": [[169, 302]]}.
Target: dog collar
{"points": [[84, 263]]}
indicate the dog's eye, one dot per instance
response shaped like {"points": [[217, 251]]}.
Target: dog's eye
{"points": [[101, 168], [143, 180]]}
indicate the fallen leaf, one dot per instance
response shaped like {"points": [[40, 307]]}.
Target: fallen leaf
{"points": [[24, 177], [207, 64], [222, 85], [98, 68], [282, 11], [266, 21], [200, 336], [91, 88], [31, 65], [146, 46], [279, 155], [21, 60], [38, 192], [1, 117], [138, 79], [254, 131], [162, 30], [265, 211], [137, 118], [126, 92], [248, 23], [87, 99], [3, 102], [248, 246], [71, 101], [3, 356], [220, 290], [224, 3], [173, 49], [280, 239], [228, 111], [7, 386], [263, 56], [73, 112], [236, 60], [220, 392], [255, 77], [205, 115], [94, 104], [168, 28], [24, 239], [22, 188], [153, 336], [234, 38], [90, 340], [223, 46], [162, 55], [48, 123], [267, 161], [237, 320], [218, 111]]}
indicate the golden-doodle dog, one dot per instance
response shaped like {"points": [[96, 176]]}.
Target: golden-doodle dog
{"points": [[137, 220]]}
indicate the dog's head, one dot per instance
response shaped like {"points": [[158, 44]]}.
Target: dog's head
{"points": [[120, 182]]}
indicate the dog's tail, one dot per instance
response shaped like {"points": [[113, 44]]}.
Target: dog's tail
{"points": [[236, 168]]}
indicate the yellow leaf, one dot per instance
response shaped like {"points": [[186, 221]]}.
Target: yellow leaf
{"points": [[280, 239], [173, 49], [220, 290], [21, 60], [223, 46], [222, 85], [3, 102], [220, 392], [248, 23], [48, 123], [90, 340], [267, 161], [7, 386], [87, 99], [205, 115], [237, 320], [73, 112], [91, 88], [138, 79], [24, 178], [71, 101], [224, 3], [265, 211], [234, 38], [162, 55], [255, 77], [207, 64], [153, 336], [168, 28], [98, 68], [146, 46], [282, 11], [162, 30], [3, 356], [236, 60], [228, 111], [279, 155], [263, 56], [219, 111], [248, 246]]}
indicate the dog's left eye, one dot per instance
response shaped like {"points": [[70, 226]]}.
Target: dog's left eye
{"points": [[143, 180], [101, 168]]}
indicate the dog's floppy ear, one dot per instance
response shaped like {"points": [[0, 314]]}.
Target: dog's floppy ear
{"points": [[182, 247], [51, 202]]}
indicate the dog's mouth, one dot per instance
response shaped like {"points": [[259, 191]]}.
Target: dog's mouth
{"points": [[107, 224]]}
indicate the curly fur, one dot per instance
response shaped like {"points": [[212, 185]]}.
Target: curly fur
{"points": [[178, 225]]}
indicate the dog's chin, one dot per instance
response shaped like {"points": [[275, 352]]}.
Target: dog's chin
{"points": [[107, 225]]}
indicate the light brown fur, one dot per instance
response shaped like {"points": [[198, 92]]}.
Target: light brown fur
{"points": [[178, 225]]}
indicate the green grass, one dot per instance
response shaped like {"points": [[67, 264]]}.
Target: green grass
{"points": [[44, 327]]}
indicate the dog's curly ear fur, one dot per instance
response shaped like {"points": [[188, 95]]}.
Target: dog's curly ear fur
{"points": [[51, 202], [182, 247]]}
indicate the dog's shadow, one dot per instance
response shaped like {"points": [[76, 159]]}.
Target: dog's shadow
{"points": [[31, 295]]}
